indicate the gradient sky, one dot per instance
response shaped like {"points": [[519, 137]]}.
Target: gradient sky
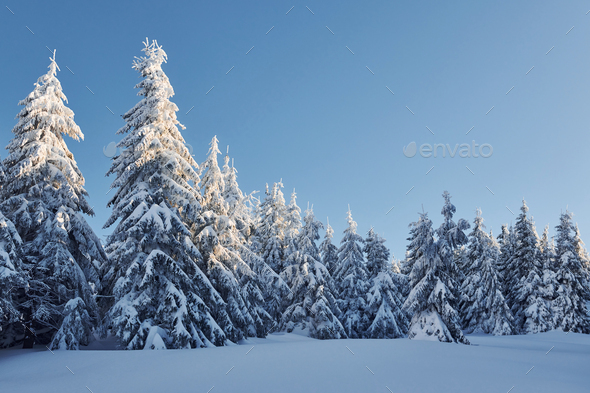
{"points": [[302, 107]]}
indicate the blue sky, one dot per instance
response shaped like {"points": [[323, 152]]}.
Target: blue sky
{"points": [[302, 107]]}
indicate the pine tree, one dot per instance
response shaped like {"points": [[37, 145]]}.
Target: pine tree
{"points": [[376, 253], [311, 304], [220, 244], [328, 251], [450, 238], [271, 228], [12, 281], [351, 278], [162, 299], [581, 251], [401, 281], [383, 311], [547, 250], [76, 327], [527, 296], [430, 300], [292, 226], [265, 284], [412, 253], [482, 305], [237, 207], [43, 195], [569, 306], [506, 242]]}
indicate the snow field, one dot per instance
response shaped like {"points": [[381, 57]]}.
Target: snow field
{"points": [[293, 363]]}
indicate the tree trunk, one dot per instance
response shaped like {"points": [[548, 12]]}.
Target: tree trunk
{"points": [[29, 339]]}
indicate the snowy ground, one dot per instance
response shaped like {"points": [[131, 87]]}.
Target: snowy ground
{"points": [[293, 363]]}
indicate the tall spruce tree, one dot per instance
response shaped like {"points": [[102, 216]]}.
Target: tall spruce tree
{"points": [[12, 282], [162, 299], [43, 195], [328, 251], [220, 244], [266, 282], [237, 202], [270, 232], [311, 305], [451, 237], [383, 311], [292, 226], [581, 251], [430, 300], [527, 295], [506, 242], [569, 306], [350, 276], [482, 305]]}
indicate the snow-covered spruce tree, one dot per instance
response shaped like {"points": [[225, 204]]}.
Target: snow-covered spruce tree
{"points": [[12, 282], [237, 207], [482, 305], [528, 298], [376, 254], [43, 195], [581, 251], [450, 238], [401, 281], [273, 288], [271, 228], [292, 226], [547, 248], [220, 244], [569, 306], [161, 298], [506, 242], [311, 304], [328, 251], [430, 300], [350, 277], [383, 310]]}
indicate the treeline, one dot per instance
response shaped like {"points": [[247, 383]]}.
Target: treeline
{"points": [[192, 261]]}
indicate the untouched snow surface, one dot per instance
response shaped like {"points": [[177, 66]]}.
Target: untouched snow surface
{"points": [[293, 363]]}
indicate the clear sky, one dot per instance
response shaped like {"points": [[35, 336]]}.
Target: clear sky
{"points": [[303, 107]]}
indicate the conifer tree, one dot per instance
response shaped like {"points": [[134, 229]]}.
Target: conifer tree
{"points": [[430, 300], [220, 244], [43, 195], [311, 304], [547, 250], [450, 238], [506, 242], [162, 298], [383, 312], [412, 253], [271, 228], [482, 305], [401, 281], [266, 283], [12, 282], [237, 207], [350, 276], [527, 296], [292, 225], [581, 250], [328, 251], [569, 306]]}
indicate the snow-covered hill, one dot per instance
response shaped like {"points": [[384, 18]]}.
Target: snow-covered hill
{"points": [[547, 362]]}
